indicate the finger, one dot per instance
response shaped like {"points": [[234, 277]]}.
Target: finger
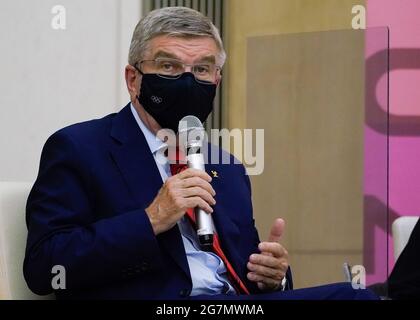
{"points": [[277, 230], [276, 274], [198, 202], [269, 282], [276, 249], [189, 173], [198, 182], [197, 191], [265, 260], [266, 253]]}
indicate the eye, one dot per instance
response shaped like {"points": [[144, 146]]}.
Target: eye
{"points": [[202, 69], [166, 66]]}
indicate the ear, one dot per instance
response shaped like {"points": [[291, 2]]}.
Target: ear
{"points": [[132, 79], [218, 79]]}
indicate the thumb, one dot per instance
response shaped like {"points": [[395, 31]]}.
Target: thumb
{"points": [[276, 230]]}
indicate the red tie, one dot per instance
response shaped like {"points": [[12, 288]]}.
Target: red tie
{"points": [[234, 278]]}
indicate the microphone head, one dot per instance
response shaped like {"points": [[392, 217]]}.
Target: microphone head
{"points": [[189, 123], [191, 131]]}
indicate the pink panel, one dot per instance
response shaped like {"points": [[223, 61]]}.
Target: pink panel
{"points": [[376, 152], [402, 18]]}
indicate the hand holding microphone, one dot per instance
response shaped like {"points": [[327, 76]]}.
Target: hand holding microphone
{"points": [[188, 189], [192, 134]]}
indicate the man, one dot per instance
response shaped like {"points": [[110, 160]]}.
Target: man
{"points": [[113, 216], [404, 280]]}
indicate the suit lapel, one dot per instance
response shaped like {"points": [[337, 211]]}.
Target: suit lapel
{"points": [[226, 228], [228, 231], [229, 236], [136, 163]]}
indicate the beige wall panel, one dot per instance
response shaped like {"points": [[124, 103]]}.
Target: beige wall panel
{"points": [[307, 91], [245, 18], [320, 268]]}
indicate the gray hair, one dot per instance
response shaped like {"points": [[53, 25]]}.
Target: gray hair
{"points": [[176, 22]]}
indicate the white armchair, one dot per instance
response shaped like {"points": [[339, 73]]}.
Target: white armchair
{"points": [[401, 231], [13, 232]]}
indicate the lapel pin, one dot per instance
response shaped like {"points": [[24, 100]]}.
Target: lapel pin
{"points": [[215, 174]]}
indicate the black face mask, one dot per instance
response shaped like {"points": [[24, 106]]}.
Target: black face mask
{"points": [[169, 100]]}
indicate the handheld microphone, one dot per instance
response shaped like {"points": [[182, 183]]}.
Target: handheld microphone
{"points": [[191, 134]]}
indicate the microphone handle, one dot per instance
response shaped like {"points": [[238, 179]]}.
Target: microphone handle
{"points": [[203, 219]]}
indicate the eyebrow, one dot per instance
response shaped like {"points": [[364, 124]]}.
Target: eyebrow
{"points": [[164, 54], [211, 59]]}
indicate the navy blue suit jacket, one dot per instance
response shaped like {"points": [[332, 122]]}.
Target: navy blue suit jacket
{"points": [[86, 212]]}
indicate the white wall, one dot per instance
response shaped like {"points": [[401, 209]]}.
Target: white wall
{"points": [[52, 78]]}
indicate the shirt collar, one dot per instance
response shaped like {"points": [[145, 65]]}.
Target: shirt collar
{"points": [[154, 142]]}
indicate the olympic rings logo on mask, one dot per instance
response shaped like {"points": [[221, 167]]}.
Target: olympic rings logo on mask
{"points": [[156, 100]]}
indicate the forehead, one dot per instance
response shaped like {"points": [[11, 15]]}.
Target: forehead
{"points": [[186, 49]]}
